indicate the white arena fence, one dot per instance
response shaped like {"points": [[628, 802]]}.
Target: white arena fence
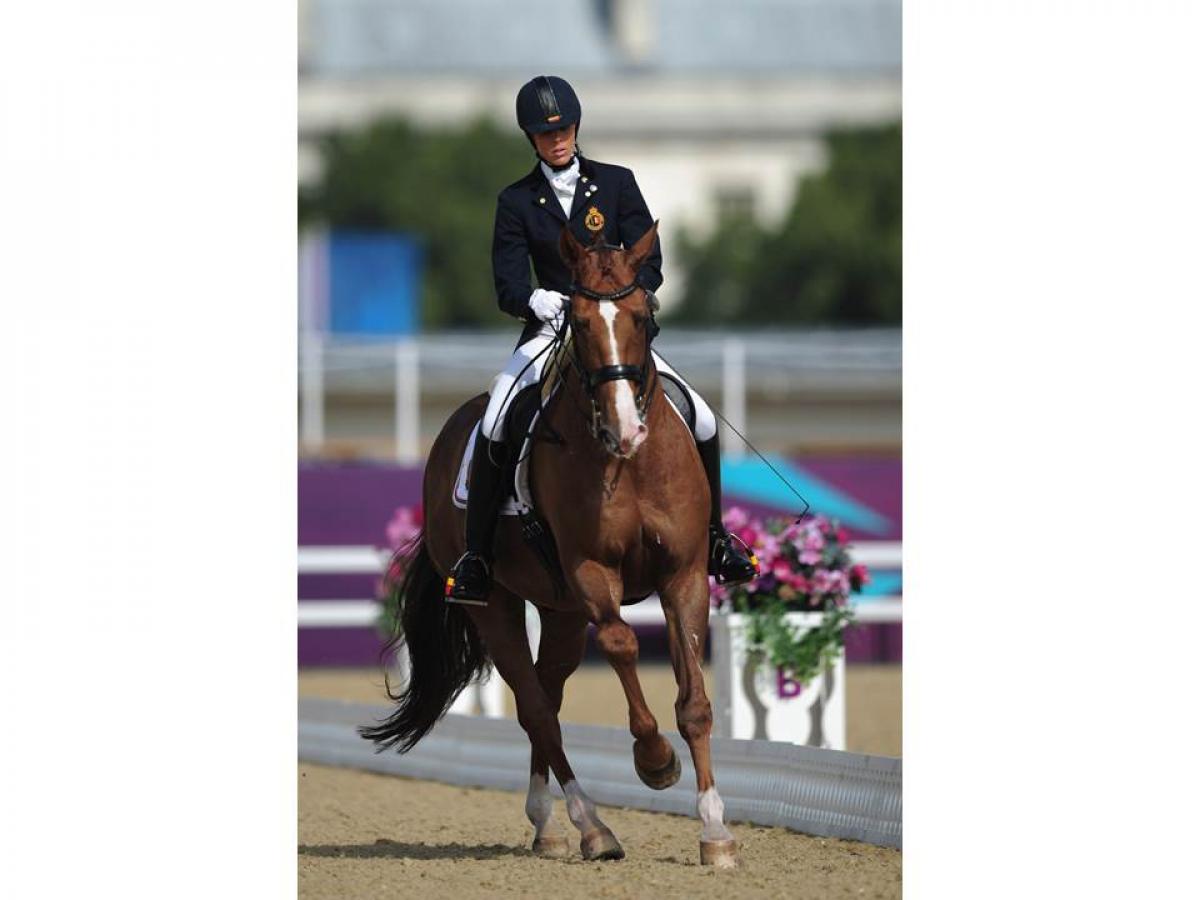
{"points": [[720, 364], [365, 560], [831, 793]]}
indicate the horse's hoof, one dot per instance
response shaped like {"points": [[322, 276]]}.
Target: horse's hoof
{"points": [[719, 854], [601, 844], [555, 846], [662, 778]]}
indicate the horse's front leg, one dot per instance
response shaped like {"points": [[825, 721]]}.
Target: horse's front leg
{"points": [[685, 604], [654, 758]]}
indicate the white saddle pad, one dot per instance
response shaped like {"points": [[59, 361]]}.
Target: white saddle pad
{"points": [[511, 507]]}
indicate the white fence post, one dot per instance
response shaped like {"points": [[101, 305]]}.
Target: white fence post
{"points": [[408, 402], [733, 394], [312, 389], [314, 289]]}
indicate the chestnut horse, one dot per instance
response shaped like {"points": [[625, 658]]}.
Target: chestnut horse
{"points": [[627, 501]]}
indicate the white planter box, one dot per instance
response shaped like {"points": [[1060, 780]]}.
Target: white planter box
{"points": [[757, 702]]}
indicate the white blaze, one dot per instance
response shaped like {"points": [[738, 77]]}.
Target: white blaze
{"points": [[627, 417]]}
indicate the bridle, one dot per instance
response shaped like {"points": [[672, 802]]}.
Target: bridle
{"points": [[591, 379]]}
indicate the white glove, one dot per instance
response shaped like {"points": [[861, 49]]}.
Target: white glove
{"points": [[547, 305]]}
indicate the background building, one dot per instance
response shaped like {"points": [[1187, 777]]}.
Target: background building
{"points": [[716, 106]]}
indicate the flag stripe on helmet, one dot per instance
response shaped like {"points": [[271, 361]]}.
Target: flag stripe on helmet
{"points": [[546, 98]]}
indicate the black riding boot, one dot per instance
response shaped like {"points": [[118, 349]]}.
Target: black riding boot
{"points": [[471, 579], [726, 560]]}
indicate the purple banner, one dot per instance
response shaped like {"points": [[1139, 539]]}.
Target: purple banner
{"points": [[350, 504]]}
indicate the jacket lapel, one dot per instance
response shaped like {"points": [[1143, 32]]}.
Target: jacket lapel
{"points": [[545, 198], [542, 195], [585, 188]]}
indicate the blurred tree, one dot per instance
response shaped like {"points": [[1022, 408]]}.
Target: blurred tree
{"points": [[438, 186], [834, 259]]}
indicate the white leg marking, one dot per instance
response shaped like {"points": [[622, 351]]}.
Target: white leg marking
{"points": [[539, 808], [580, 808], [627, 417], [712, 816]]}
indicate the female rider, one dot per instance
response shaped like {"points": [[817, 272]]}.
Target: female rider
{"points": [[563, 188]]}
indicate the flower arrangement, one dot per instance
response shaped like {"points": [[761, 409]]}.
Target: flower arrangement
{"points": [[805, 567], [402, 529]]}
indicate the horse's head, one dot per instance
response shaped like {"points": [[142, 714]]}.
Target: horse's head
{"points": [[610, 322]]}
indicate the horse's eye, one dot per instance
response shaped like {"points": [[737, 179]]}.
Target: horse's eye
{"points": [[582, 324], [639, 320]]}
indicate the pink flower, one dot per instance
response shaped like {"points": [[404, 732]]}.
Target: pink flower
{"points": [[859, 576], [821, 581], [768, 550], [735, 517], [403, 527], [843, 536], [799, 582], [810, 557], [838, 583], [748, 534]]}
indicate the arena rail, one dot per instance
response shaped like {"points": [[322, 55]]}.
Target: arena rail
{"points": [[829, 793], [365, 560]]}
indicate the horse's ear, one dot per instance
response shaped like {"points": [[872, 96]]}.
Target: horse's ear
{"points": [[636, 255], [570, 249]]}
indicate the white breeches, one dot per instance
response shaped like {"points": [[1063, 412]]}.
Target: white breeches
{"points": [[513, 380]]}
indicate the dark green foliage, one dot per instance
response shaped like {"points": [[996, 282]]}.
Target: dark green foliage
{"points": [[834, 259], [439, 186]]}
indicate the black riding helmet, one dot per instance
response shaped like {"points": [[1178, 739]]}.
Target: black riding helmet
{"points": [[547, 103]]}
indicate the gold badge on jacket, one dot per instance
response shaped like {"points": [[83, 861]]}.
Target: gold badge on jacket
{"points": [[594, 220]]}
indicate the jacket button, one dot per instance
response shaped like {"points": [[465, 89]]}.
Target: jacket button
{"points": [[541, 199]]}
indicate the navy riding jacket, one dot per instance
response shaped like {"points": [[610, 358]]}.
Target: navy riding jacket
{"points": [[529, 221]]}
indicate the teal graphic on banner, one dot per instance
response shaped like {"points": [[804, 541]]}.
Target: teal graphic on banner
{"points": [[374, 283]]}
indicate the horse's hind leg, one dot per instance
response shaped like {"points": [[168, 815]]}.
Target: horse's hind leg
{"points": [[685, 603], [502, 626], [560, 650]]}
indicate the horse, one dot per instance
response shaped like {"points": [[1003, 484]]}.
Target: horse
{"points": [[624, 494]]}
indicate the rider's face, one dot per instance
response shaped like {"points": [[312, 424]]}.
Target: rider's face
{"points": [[556, 147]]}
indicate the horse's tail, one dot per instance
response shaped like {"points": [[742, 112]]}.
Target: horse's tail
{"points": [[445, 652]]}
